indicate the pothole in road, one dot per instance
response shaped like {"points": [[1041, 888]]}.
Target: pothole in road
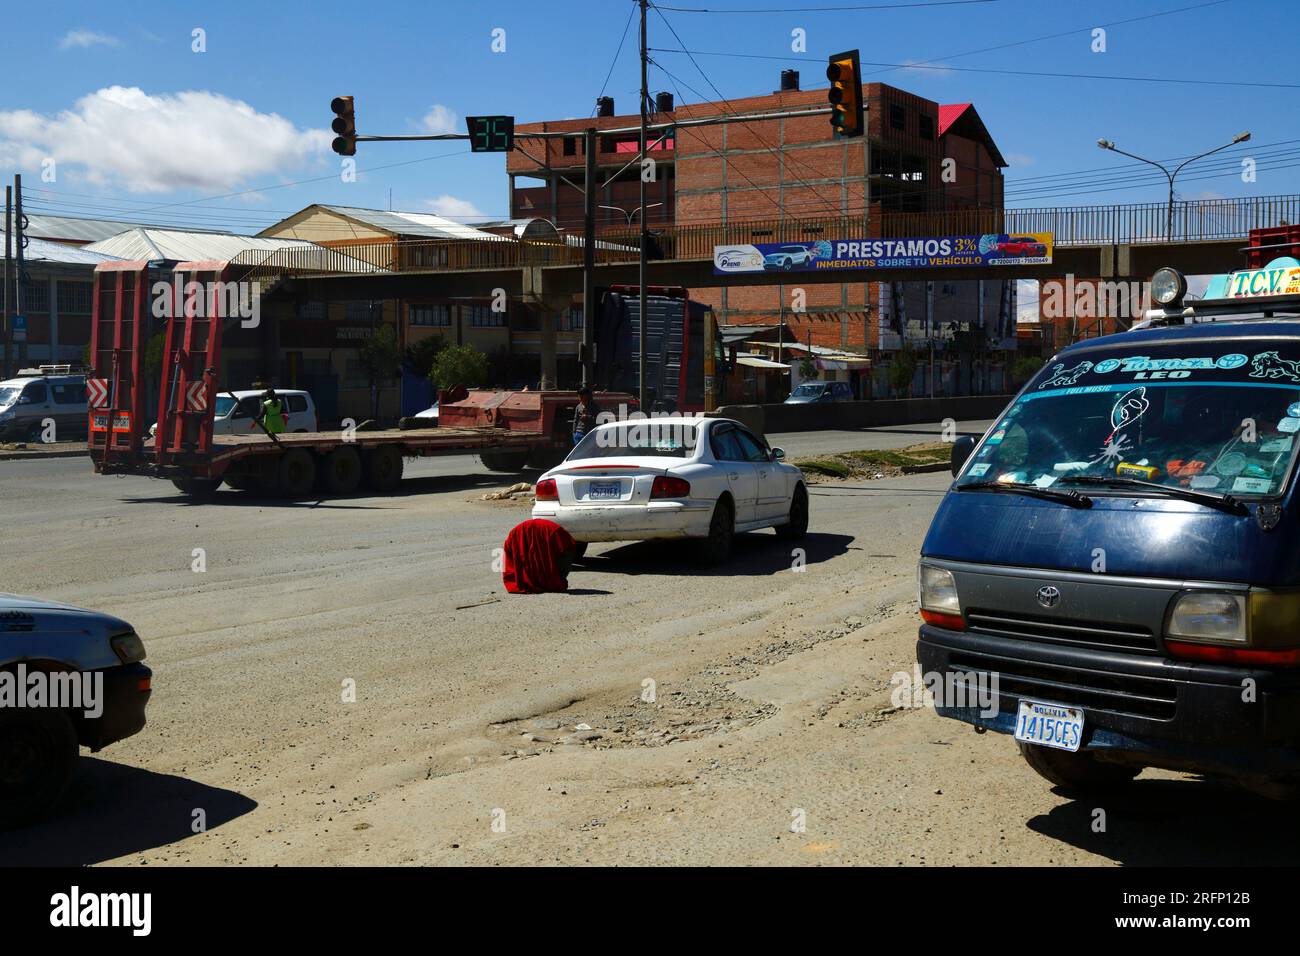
{"points": [[701, 705]]}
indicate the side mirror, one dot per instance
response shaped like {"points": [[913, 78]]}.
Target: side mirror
{"points": [[961, 450], [778, 454], [25, 400]]}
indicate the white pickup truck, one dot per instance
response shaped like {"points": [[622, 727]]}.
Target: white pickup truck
{"points": [[69, 678]]}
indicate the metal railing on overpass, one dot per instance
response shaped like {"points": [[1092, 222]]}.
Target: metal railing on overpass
{"points": [[1135, 223]]}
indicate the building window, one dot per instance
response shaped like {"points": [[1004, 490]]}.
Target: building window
{"points": [[571, 321], [74, 297], [482, 317], [431, 316], [897, 117], [36, 297], [361, 311], [313, 311], [570, 146], [927, 126]]}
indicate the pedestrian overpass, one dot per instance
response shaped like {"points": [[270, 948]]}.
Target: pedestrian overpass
{"points": [[1119, 242]]}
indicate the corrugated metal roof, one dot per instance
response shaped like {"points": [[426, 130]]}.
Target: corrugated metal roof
{"points": [[76, 229], [412, 223], [42, 250], [141, 244]]}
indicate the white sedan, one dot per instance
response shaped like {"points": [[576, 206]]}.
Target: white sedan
{"points": [[673, 477]]}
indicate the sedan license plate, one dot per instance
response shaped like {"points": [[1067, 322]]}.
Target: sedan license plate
{"points": [[604, 489], [1049, 725]]}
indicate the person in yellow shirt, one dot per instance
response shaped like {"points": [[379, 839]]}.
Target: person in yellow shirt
{"points": [[272, 413]]}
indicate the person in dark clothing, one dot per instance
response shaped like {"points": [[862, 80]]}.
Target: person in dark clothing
{"points": [[585, 414]]}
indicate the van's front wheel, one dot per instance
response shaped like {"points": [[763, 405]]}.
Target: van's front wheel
{"points": [[1076, 771]]}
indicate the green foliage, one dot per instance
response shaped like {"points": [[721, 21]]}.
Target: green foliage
{"points": [[381, 355], [902, 368], [807, 368], [418, 357], [1024, 368], [460, 365]]}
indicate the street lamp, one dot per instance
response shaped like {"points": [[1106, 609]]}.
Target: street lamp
{"points": [[630, 215], [1169, 220]]}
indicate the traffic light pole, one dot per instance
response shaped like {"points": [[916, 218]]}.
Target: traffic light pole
{"points": [[589, 260], [645, 231]]}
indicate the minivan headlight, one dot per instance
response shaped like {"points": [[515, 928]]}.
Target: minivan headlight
{"points": [[1210, 616], [938, 598]]}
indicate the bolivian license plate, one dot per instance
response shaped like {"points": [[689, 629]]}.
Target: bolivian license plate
{"points": [[1049, 725], [604, 489]]}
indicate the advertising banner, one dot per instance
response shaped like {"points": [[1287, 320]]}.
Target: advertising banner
{"points": [[993, 249]]}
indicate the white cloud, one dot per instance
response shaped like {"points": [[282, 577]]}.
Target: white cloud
{"points": [[126, 138], [453, 208], [1020, 159], [440, 119], [80, 39]]}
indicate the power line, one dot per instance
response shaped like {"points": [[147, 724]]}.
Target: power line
{"points": [[859, 6], [617, 54], [970, 69]]}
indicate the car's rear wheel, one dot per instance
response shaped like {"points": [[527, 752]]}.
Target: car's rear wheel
{"points": [[722, 531], [1080, 770], [797, 526], [38, 749]]}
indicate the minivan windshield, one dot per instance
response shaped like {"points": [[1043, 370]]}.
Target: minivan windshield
{"points": [[1213, 416], [809, 389], [8, 394]]}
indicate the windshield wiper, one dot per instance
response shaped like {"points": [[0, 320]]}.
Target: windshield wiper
{"points": [[1073, 498], [1224, 502]]}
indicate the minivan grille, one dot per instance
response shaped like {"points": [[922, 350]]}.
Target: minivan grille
{"points": [[1108, 691], [1072, 633]]}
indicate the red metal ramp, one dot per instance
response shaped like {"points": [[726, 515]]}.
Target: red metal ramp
{"points": [[197, 305], [115, 387]]}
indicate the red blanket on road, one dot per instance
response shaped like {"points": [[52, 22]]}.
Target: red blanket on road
{"points": [[533, 557]]}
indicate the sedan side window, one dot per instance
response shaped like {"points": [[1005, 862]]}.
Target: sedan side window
{"points": [[725, 445], [752, 448]]}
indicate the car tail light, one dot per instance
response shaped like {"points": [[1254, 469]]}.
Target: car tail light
{"points": [[546, 490], [666, 486], [1218, 654]]}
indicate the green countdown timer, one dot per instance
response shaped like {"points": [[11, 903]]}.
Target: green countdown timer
{"points": [[491, 134]]}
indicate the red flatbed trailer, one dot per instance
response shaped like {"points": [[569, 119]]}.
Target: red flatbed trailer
{"points": [[506, 429]]}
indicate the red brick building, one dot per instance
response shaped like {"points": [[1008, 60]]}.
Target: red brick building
{"points": [[918, 156]]}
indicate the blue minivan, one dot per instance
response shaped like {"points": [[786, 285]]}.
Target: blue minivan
{"points": [[1116, 566]]}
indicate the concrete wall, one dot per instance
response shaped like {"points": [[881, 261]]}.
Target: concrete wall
{"points": [[850, 415]]}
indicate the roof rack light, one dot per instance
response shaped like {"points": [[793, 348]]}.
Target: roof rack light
{"points": [[1168, 286]]}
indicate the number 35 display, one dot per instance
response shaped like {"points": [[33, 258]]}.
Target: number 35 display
{"points": [[491, 134]]}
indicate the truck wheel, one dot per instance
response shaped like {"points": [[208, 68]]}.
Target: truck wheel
{"points": [[722, 530], [341, 472], [1076, 771], [544, 459], [384, 468], [297, 474], [797, 526], [198, 487], [38, 749], [244, 482], [504, 460]]}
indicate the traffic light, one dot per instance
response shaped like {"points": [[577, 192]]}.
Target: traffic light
{"points": [[345, 125], [845, 94]]}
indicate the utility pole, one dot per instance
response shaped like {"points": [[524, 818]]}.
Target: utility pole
{"points": [[645, 232], [21, 272], [589, 260], [9, 226]]}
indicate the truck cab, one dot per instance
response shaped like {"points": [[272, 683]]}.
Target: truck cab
{"points": [[1116, 566]]}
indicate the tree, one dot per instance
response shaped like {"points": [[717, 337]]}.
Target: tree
{"points": [[381, 357], [459, 365], [1024, 368], [902, 369], [419, 355]]}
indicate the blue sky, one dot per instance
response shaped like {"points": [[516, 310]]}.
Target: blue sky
{"points": [[142, 127]]}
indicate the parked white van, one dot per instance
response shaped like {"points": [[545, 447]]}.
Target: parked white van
{"points": [[235, 412]]}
